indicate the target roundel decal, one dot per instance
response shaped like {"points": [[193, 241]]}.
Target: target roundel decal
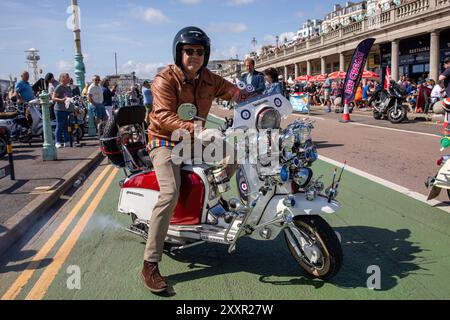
{"points": [[277, 102], [250, 88], [241, 85], [245, 114], [244, 186]]}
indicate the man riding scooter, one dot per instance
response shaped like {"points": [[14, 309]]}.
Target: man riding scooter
{"points": [[188, 81]]}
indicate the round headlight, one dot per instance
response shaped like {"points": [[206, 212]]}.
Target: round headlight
{"points": [[268, 118], [287, 142], [311, 154], [303, 177], [284, 174]]}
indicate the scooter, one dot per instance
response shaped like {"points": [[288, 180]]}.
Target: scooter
{"points": [[283, 198], [389, 104], [34, 110], [80, 114], [442, 178], [17, 125]]}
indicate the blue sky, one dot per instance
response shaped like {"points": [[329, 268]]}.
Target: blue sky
{"points": [[141, 32]]}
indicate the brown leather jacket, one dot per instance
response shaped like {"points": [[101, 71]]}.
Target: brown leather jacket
{"points": [[170, 90]]}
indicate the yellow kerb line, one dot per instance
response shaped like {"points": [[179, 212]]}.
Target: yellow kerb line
{"points": [[26, 275], [41, 286]]}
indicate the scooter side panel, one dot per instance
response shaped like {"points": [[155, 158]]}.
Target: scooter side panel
{"points": [[442, 181], [140, 193], [138, 201]]}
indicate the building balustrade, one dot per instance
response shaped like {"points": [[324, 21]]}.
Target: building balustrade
{"points": [[388, 18]]}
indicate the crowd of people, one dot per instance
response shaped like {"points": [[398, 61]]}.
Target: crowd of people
{"points": [[99, 95], [421, 95]]}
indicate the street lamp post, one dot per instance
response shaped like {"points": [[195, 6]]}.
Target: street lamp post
{"points": [[277, 38], [79, 64]]}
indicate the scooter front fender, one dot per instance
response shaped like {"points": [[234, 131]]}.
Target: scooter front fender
{"points": [[302, 207], [275, 207]]}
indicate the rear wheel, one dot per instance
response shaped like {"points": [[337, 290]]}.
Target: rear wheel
{"points": [[77, 134], [315, 246]]}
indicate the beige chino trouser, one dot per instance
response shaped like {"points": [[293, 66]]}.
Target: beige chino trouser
{"points": [[169, 179]]}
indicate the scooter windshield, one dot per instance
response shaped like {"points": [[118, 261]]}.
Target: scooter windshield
{"points": [[249, 103]]}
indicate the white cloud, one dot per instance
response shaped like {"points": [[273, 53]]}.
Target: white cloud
{"points": [[64, 66], [226, 54], [150, 15], [300, 14], [109, 25], [143, 70], [228, 27], [190, 1], [271, 39], [239, 2]]}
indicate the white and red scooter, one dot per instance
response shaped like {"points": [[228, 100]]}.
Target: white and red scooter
{"points": [[269, 200]]}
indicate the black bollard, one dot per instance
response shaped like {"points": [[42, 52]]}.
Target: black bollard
{"points": [[9, 150]]}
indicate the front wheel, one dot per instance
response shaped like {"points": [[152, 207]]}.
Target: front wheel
{"points": [[397, 116], [315, 246]]}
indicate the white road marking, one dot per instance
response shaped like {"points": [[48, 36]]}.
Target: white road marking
{"points": [[392, 129], [307, 116], [403, 190]]}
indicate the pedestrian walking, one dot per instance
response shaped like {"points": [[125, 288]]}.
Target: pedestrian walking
{"points": [[61, 94], [95, 97], [148, 98], [107, 97]]}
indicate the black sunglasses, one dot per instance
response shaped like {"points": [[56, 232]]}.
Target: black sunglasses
{"points": [[190, 52]]}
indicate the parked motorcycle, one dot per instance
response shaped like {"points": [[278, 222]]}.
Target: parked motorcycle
{"points": [[389, 104], [17, 125], [80, 115], [272, 199], [37, 124]]}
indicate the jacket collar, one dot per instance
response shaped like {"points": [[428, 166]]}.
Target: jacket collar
{"points": [[204, 75]]}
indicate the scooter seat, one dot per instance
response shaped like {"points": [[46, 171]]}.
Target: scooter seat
{"points": [[8, 115]]}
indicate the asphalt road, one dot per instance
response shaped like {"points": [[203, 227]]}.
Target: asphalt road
{"points": [[406, 239]]}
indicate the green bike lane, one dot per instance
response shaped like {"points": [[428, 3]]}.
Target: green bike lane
{"points": [[405, 238]]}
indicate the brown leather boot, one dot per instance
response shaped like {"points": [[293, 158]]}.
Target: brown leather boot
{"points": [[152, 278]]}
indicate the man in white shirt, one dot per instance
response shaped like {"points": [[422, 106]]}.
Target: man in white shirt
{"points": [[95, 96]]}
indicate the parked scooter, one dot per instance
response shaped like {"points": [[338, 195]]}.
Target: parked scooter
{"points": [[272, 199], [80, 115], [442, 178], [17, 125], [35, 112], [389, 104]]}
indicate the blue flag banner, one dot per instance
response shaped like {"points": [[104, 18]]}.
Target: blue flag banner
{"points": [[355, 69], [300, 102]]}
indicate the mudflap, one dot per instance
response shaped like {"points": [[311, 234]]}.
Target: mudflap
{"points": [[434, 192]]}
